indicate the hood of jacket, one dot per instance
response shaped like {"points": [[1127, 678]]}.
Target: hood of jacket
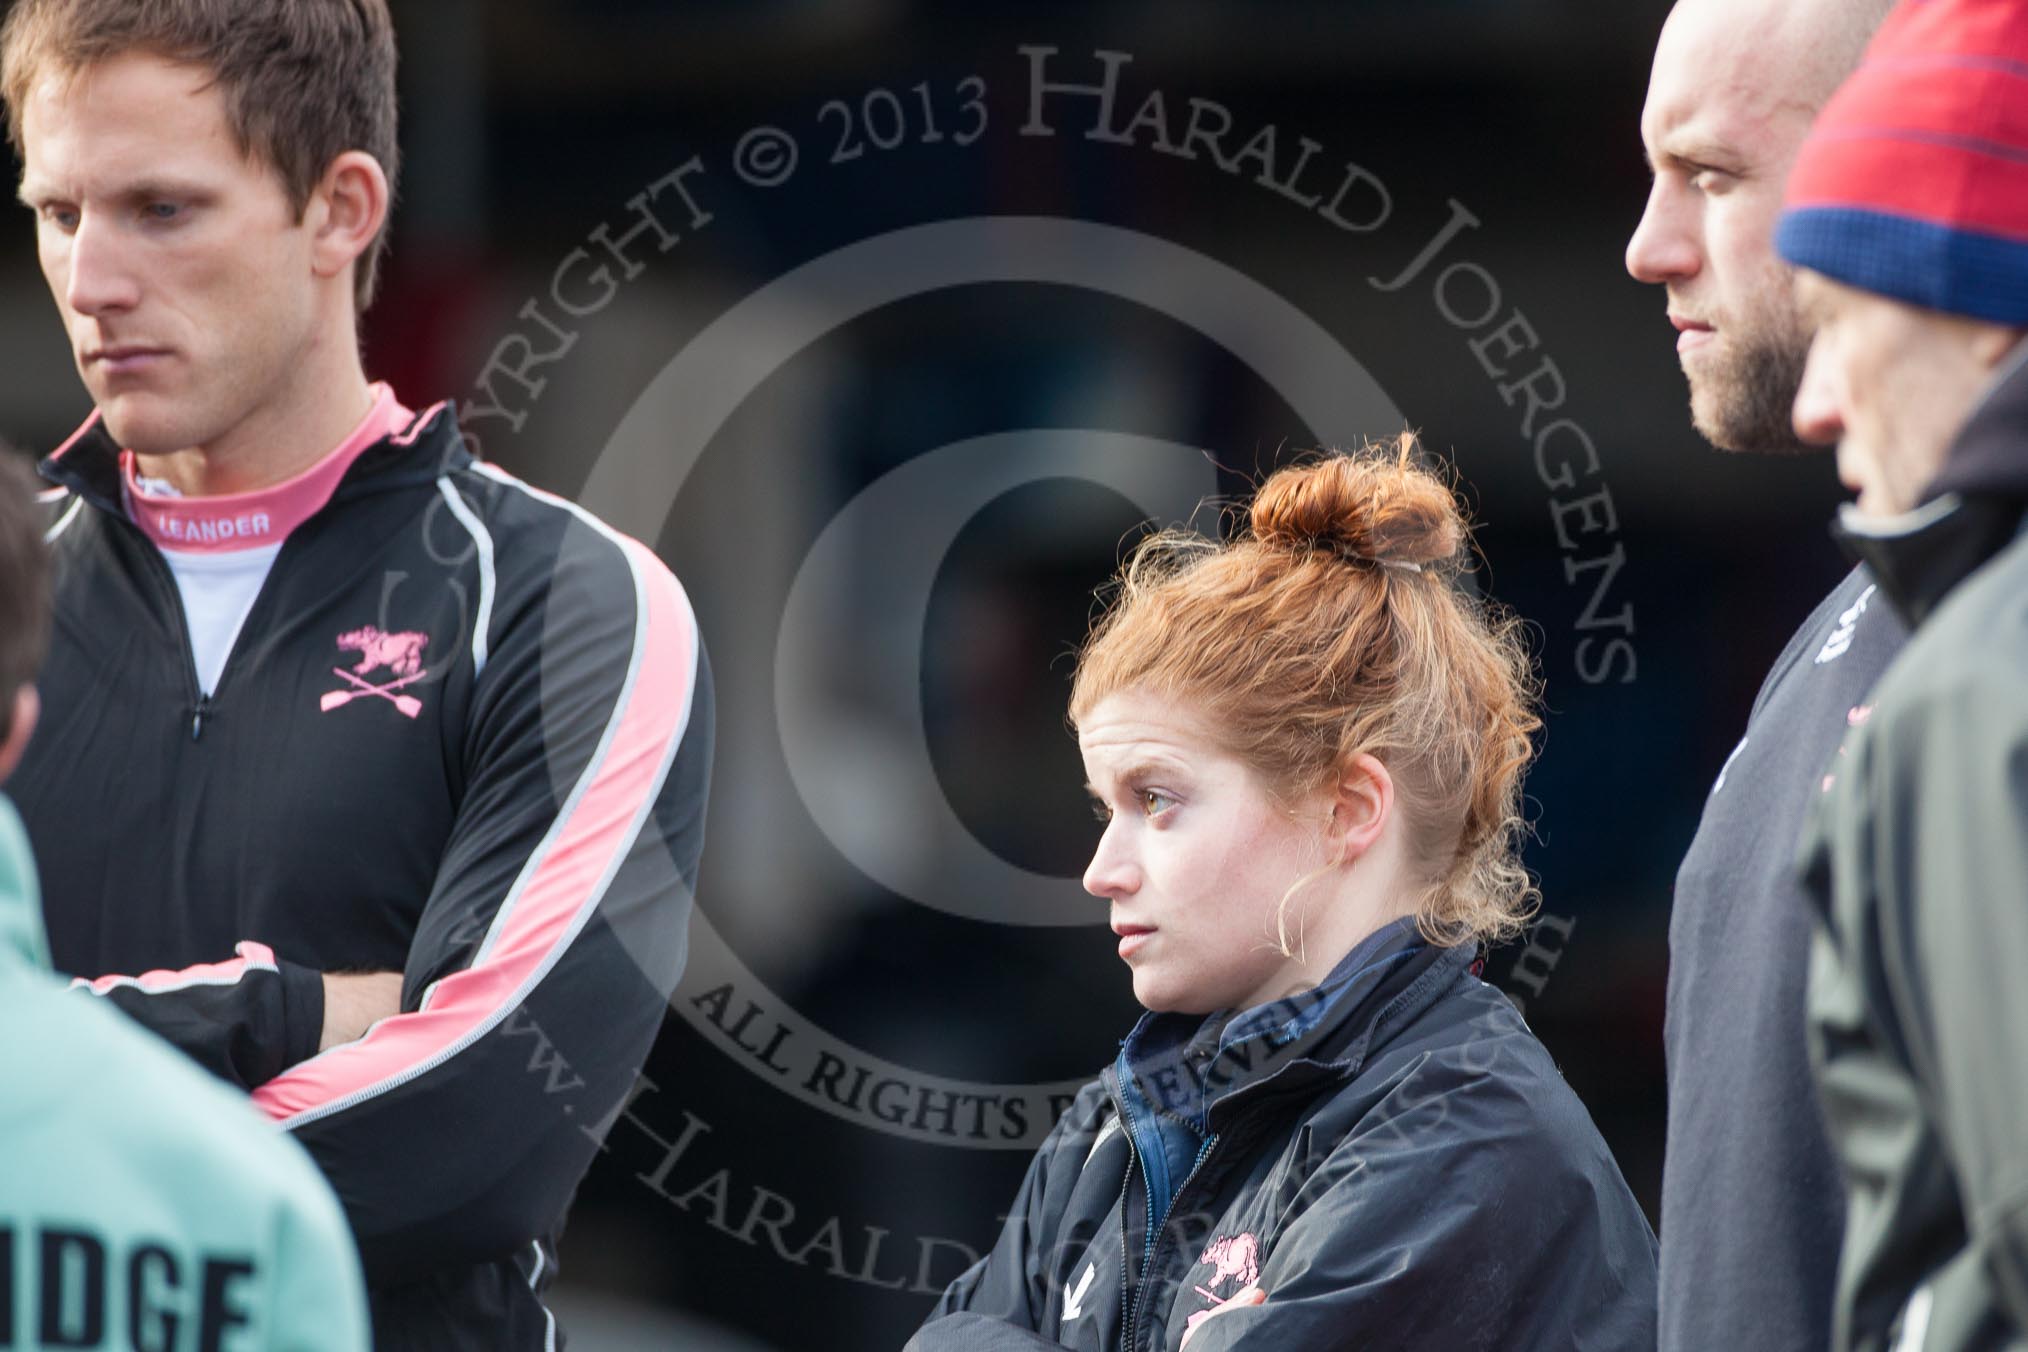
{"points": [[22, 940], [1969, 512]]}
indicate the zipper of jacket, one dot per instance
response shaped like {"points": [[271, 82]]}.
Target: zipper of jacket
{"points": [[1140, 1296], [1128, 1292], [1126, 1259], [200, 703]]}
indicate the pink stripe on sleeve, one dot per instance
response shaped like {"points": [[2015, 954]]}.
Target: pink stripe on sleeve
{"points": [[252, 957], [558, 889]]}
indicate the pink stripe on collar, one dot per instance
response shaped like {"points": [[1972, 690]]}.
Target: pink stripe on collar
{"points": [[215, 525]]}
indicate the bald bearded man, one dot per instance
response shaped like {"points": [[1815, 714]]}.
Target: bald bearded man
{"points": [[1752, 1201]]}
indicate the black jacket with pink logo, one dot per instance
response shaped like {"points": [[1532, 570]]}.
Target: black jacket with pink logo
{"points": [[1392, 1158], [463, 734]]}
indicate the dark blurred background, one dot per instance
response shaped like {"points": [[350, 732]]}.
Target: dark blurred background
{"points": [[1658, 584]]}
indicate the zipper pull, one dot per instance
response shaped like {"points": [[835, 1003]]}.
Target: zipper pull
{"points": [[197, 714]]}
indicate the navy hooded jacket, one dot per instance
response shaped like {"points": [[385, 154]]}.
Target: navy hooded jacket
{"points": [[1392, 1157]]}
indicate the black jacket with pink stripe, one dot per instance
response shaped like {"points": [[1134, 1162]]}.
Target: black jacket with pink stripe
{"points": [[464, 734]]}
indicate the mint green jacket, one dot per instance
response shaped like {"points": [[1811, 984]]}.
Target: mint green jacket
{"points": [[143, 1204]]}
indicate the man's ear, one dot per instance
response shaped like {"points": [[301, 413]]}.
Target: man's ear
{"points": [[345, 212], [1362, 801], [20, 727]]}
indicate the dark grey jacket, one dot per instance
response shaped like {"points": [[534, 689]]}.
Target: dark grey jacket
{"points": [[1393, 1158], [1917, 857], [1753, 1203]]}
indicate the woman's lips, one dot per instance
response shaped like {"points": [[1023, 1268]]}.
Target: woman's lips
{"points": [[1132, 937]]}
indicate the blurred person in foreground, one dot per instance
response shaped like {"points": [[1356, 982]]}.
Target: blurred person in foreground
{"points": [[1752, 1203], [1307, 746], [142, 1203], [1908, 211], [370, 776]]}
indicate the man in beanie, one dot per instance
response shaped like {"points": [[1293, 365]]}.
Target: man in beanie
{"points": [[1908, 212], [1752, 1207]]}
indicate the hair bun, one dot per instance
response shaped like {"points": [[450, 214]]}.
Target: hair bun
{"points": [[1379, 504]]}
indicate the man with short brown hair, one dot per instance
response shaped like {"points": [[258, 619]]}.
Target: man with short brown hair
{"points": [[309, 82], [370, 777]]}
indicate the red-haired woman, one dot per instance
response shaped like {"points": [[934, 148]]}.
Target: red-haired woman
{"points": [[1327, 1132]]}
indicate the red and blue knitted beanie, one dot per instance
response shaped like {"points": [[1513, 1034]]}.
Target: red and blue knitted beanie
{"points": [[1913, 182]]}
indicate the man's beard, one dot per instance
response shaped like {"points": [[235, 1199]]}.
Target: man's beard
{"points": [[1745, 399]]}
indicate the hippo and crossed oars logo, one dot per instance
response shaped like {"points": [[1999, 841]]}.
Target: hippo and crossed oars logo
{"points": [[401, 654]]}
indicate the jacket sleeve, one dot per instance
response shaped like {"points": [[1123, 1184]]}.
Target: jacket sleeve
{"points": [[1002, 1300], [245, 1019], [456, 1131], [1456, 1215], [1935, 825]]}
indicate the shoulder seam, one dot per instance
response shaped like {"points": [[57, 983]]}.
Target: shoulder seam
{"points": [[546, 502]]}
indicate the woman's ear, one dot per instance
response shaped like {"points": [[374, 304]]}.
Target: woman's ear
{"points": [[1362, 801], [347, 209]]}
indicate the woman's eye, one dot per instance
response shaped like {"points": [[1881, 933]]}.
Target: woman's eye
{"points": [[1154, 802], [161, 211], [1711, 182]]}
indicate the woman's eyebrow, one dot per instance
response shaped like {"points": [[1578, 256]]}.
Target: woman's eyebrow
{"points": [[1142, 767]]}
